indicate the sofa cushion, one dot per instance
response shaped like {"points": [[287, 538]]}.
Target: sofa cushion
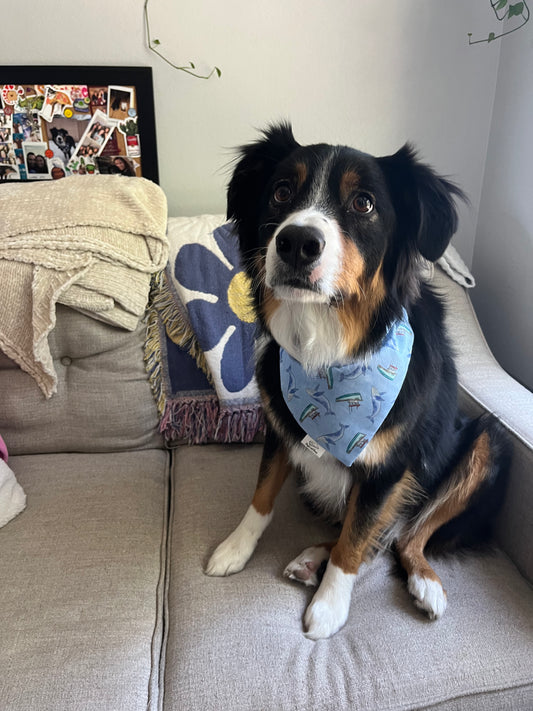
{"points": [[237, 643], [103, 401], [82, 581]]}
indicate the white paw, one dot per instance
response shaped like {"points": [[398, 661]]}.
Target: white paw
{"points": [[329, 608], [305, 567], [233, 553], [323, 618], [429, 595], [230, 556]]}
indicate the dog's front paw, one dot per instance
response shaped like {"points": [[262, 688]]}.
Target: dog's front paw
{"points": [[329, 608], [429, 595], [232, 554], [323, 618]]}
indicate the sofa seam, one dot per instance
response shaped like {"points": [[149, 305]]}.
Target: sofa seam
{"points": [[166, 583], [521, 684], [157, 648]]}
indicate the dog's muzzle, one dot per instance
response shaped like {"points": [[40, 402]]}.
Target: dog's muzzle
{"points": [[299, 246], [304, 257]]}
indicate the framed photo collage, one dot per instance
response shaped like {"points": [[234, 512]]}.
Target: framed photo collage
{"points": [[60, 121]]}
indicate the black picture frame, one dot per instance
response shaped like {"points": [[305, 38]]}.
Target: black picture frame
{"points": [[140, 78]]}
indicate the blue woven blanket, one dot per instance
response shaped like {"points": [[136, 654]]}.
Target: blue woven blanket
{"points": [[200, 337]]}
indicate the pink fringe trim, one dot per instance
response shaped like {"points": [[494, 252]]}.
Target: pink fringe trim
{"points": [[240, 424], [199, 421]]}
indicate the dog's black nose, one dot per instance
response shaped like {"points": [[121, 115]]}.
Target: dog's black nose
{"points": [[299, 246]]}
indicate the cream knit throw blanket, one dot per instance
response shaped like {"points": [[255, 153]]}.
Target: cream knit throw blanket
{"points": [[90, 242]]}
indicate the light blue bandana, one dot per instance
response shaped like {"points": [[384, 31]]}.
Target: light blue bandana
{"points": [[342, 407]]}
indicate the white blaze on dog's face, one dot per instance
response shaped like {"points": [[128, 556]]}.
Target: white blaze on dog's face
{"points": [[309, 231], [302, 321], [304, 255]]}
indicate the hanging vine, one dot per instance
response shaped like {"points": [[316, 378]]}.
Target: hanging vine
{"points": [[154, 44], [505, 11]]}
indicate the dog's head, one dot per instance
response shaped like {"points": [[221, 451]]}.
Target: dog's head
{"points": [[59, 136], [331, 225]]}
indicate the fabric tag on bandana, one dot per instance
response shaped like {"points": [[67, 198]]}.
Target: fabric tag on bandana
{"points": [[312, 446], [343, 406]]}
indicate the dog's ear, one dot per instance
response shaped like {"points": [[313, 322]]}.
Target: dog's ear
{"points": [[254, 169], [424, 202]]}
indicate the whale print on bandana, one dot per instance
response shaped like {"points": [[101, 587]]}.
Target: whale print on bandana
{"points": [[343, 406]]}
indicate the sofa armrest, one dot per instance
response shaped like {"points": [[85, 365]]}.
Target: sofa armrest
{"points": [[485, 386]]}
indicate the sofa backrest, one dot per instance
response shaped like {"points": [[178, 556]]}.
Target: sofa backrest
{"points": [[103, 400]]}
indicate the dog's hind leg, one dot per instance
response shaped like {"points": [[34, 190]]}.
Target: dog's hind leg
{"points": [[473, 471], [422, 582], [309, 566], [235, 551]]}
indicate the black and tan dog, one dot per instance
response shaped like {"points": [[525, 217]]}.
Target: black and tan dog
{"points": [[332, 239]]}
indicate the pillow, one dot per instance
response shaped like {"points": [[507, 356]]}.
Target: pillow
{"points": [[3, 450]]}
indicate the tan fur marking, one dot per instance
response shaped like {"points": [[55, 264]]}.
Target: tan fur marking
{"points": [[301, 174], [350, 182], [269, 305], [272, 474], [414, 563], [357, 311], [354, 325], [353, 267], [477, 468], [343, 554], [470, 473], [377, 450], [350, 552]]}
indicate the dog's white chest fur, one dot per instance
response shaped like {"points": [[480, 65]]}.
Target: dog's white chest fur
{"points": [[310, 332], [326, 481]]}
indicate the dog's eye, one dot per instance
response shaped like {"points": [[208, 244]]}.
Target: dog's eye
{"points": [[282, 192], [363, 203]]}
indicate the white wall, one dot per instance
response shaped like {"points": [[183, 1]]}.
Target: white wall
{"points": [[503, 258], [360, 72]]}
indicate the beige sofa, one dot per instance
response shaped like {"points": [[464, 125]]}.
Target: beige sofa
{"points": [[104, 605]]}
